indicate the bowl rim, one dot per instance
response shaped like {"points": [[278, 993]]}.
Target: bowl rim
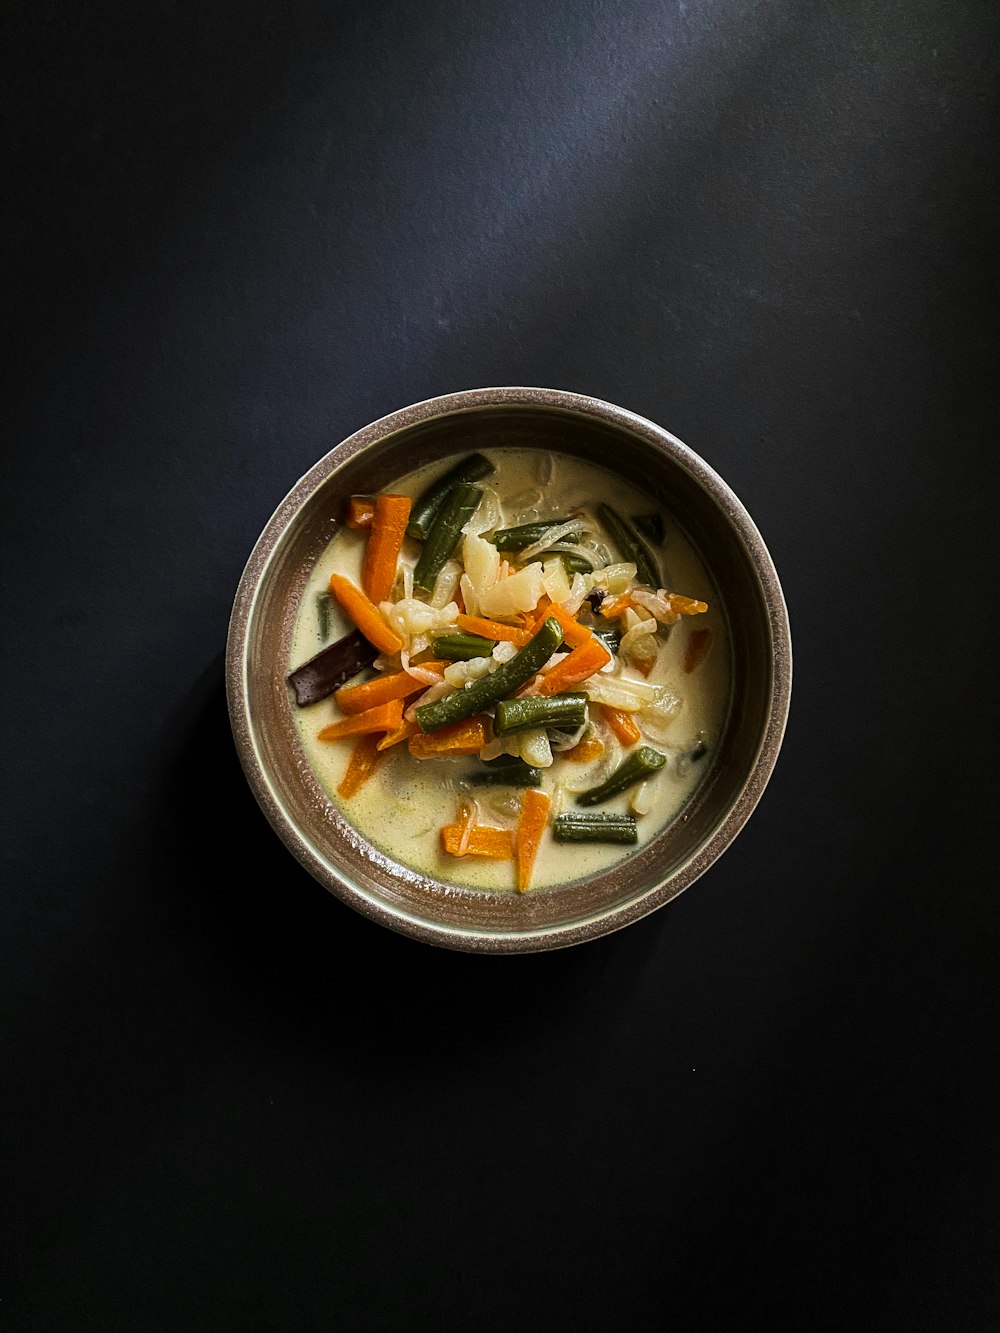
{"points": [[269, 543]]}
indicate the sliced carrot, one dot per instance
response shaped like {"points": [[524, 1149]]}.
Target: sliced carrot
{"points": [[465, 737], [383, 717], [697, 646], [573, 632], [495, 843], [360, 766], [531, 825], [583, 751], [385, 541], [537, 617], [493, 629], [398, 685], [686, 606], [612, 610], [360, 512], [407, 728], [621, 723], [366, 616], [575, 667]]}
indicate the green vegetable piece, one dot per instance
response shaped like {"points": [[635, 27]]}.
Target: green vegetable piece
{"points": [[323, 615], [611, 638], [631, 545], [525, 534], [462, 647], [426, 507], [460, 504], [574, 827], [515, 774], [574, 564], [651, 526], [488, 690], [641, 763], [567, 711]]}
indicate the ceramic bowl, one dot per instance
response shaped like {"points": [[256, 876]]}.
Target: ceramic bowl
{"points": [[261, 702]]}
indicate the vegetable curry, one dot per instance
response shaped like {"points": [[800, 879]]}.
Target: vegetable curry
{"points": [[508, 671]]}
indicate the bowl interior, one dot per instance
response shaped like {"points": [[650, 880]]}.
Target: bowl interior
{"points": [[261, 704]]}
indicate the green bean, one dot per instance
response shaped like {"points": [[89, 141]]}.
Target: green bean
{"points": [[611, 638], [323, 615], [558, 710], [525, 534], [640, 764], [573, 827], [651, 526], [462, 647], [488, 690], [459, 506], [630, 545], [515, 774], [426, 507], [574, 564]]}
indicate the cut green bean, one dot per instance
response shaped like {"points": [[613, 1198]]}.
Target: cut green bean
{"points": [[488, 690], [426, 507], [525, 534], [573, 827], [323, 615], [630, 545], [573, 563], [514, 774], [567, 711], [462, 647], [611, 638], [460, 504], [640, 764], [651, 526]]}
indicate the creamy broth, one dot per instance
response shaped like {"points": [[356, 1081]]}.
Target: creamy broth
{"points": [[403, 806]]}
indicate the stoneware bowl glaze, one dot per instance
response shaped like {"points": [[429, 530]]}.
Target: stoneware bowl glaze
{"points": [[261, 703]]}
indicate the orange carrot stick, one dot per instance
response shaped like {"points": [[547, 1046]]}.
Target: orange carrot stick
{"points": [[573, 632], [495, 843], [697, 646], [366, 616], [384, 717], [398, 685], [531, 825], [407, 728], [360, 766], [686, 606], [585, 750], [465, 737], [360, 512], [621, 723], [493, 629], [385, 540], [618, 607], [575, 667]]}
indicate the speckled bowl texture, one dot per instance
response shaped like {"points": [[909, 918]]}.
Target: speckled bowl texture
{"points": [[261, 702]]}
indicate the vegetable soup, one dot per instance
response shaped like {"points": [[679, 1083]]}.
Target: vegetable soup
{"points": [[509, 671]]}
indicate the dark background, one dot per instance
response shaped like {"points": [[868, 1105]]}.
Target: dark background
{"points": [[233, 233]]}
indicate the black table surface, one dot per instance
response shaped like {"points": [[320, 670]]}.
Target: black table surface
{"points": [[233, 234]]}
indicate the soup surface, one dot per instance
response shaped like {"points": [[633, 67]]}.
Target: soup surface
{"points": [[636, 606]]}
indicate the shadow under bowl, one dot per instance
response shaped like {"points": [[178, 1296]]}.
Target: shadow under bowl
{"points": [[261, 703]]}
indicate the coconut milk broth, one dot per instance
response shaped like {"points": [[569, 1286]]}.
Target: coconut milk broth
{"points": [[403, 806]]}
